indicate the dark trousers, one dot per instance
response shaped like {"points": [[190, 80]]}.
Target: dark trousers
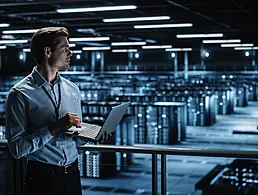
{"points": [[45, 179]]}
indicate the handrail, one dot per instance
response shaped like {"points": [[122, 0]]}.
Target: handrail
{"points": [[172, 151], [163, 152], [167, 151], [3, 143]]}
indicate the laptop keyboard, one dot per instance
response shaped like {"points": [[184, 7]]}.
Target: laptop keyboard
{"points": [[89, 130]]}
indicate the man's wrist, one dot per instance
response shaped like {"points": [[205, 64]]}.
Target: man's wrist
{"points": [[52, 128]]}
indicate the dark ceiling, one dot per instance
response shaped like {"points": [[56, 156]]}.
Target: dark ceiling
{"points": [[236, 19]]}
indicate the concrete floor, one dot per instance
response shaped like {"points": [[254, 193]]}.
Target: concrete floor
{"points": [[183, 172]]}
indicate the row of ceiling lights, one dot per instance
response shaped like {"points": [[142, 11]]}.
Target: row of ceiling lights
{"points": [[129, 7], [248, 46], [136, 55]]}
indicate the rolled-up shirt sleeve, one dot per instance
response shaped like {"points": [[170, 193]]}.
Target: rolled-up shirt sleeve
{"points": [[22, 143]]}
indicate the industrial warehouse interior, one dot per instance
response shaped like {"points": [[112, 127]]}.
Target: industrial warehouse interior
{"points": [[189, 71]]}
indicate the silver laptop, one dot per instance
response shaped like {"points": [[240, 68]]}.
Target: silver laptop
{"points": [[94, 132]]}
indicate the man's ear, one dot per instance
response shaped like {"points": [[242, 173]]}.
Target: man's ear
{"points": [[47, 52]]}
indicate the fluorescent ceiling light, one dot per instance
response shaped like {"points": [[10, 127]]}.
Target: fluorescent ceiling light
{"points": [[246, 48], [95, 48], [11, 37], [124, 50], [237, 45], [72, 45], [76, 51], [179, 49], [128, 43], [13, 41], [90, 39], [136, 19], [156, 47], [20, 31], [26, 50], [2, 47], [199, 35], [163, 26], [96, 9], [222, 41], [150, 41], [86, 30], [134, 39], [4, 25]]}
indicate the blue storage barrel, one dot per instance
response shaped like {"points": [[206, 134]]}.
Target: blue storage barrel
{"points": [[224, 99], [241, 95], [108, 164], [160, 122]]}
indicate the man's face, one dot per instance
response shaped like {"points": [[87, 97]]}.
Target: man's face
{"points": [[61, 56]]}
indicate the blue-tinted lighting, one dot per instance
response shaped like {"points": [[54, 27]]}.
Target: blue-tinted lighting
{"points": [[21, 57]]}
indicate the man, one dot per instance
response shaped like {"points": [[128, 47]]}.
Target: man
{"points": [[39, 109]]}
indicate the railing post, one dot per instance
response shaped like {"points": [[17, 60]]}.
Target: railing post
{"points": [[154, 175], [163, 175]]}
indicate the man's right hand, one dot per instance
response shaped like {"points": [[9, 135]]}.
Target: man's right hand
{"points": [[67, 121]]}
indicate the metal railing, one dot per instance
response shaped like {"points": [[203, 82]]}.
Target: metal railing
{"points": [[168, 151], [155, 151], [3, 143]]}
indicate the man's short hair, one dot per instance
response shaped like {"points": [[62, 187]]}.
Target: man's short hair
{"points": [[46, 37]]}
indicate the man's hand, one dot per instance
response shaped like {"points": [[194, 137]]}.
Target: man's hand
{"points": [[67, 121], [105, 136]]}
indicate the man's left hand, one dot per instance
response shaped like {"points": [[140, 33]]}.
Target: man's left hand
{"points": [[105, 136]]}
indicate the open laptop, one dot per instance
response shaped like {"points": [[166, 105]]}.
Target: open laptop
{"points": [[94, 132]]}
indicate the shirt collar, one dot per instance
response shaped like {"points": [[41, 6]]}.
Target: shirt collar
{"points": [[40, 80]]}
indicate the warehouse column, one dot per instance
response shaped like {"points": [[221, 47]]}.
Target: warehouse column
{"points": [[253, 59], [175, 65], [93, 63], [186, 64], [102, 63], [202, 57], [0, 60], [130, 59]]}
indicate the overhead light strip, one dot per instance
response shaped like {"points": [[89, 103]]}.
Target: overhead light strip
{"points": [[157, 47], [72, 45], [135, 19], [124, 50], [199, 35], [150, 41], [13, 41], [238, 45], [246, 48], [26, 50], [95, 48], [4, 25], [179, 49], [128, 43], [2, 47], [163, 26], [222, 41], [90, 39], [20, 31], [97, 9], [76, 51]]}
